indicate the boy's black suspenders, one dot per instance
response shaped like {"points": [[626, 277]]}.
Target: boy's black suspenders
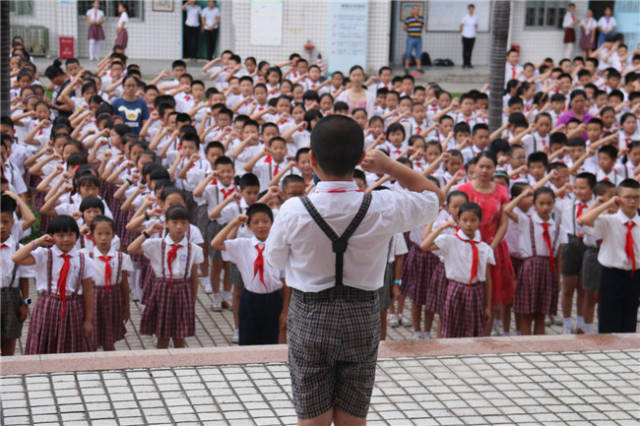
{"points": [[339, 244]]}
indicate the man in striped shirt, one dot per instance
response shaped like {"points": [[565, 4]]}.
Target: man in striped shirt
{"points": [[414, 25]]}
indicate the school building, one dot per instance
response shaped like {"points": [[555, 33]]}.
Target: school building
{"points": [[366, 32]]}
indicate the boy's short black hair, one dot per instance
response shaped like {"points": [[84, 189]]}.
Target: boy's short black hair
{"points": [[178, 63], [557, 165], [7, 204], [396, 127], [212, 145], [461, 127], [609, 150], [276, 139], [456, 193], [589, 177], [177, 212], [249, 179], [289, 179], [603, 186], [63, 223], [538, 157], [470, 207], [629, 183], [480, 126], [256, 208], [340, 106], [576, 142], [191, 137], [557, 137], [100, 219], [92, 202], [302, 151], [337, 142], [223, 160], [159, 173], [543, 190]]}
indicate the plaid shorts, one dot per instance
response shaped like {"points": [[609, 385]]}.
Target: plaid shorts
{"points": [[333, 340]]}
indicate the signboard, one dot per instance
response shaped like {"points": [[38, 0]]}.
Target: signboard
{"points": [[266, 22], [348, 24]]}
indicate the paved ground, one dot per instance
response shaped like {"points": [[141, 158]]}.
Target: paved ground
{"points": [[592, 387], [216, 328]]}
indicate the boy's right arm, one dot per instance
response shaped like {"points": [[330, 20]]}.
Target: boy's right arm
{"points": [[589, 217], [222, 236]]}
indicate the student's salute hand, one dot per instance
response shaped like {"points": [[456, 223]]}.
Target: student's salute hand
{"points": [[155, 228], [194, 158], [528, 192], [45, 241], [76, 215], [376, 162], [458, 176], [235, 197], [241, 219]]}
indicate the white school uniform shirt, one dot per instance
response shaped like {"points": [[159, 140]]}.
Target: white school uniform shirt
{"points": [[210, 16], [152, 250], [523, 227], [193, 16], [568, 20], [124, 18], [569, 208], [511, 72], [297, 245], [243, 252], [624, 140], [398, 247], [214, 194], [41, 257], [231, 210], [184, 101], [266, 168], [607, 24], [393, 151], [457, 256], [88, 244], [7, 265], [100, 265], [73, 205], [13, 175], [95, 15], [512, 237], [614, 176], [534, 142], [470, 120], [469, 23], [470, 153], [613, 230]]}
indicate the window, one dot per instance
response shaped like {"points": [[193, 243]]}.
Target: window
{"points": [[135, 8], [545, 14], [21, 7]]}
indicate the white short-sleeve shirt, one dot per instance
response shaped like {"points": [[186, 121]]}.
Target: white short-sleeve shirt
{"points": [[469, 23], [193, 16], [152, 250], [124, 18], [95, 15], [607, 24], [100, 266], [41, 255], [210, 16], [9, 247], [457, 256], [244, 252]]}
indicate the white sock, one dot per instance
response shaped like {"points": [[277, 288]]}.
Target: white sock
{"points": [[92, 48], [579, 321], [96, 50], [567, 323], [588, 328], [417, 334]]}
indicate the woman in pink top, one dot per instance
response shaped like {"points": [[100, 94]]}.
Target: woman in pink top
{"points": [[357, 96], [492, 198]]}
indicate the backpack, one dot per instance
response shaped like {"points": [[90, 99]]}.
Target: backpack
{"points": [[426, 59]]}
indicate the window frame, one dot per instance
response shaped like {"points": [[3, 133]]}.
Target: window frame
{"points": [[557, 6], [15, 7]]}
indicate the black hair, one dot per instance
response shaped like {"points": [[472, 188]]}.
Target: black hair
{"points": [[543, 190], [487, 154], [576, 142], [517, 188], [248, 179], [7, 204], [256, 208], [589, 177], [101, 219], [557, 137], [396, 127], [452, 194], [191, 137], [63, 223], [538, 157], [460, 127], [223, 160], [92, 203], [340, 106], [302, 151], [471, 207], [88, 180], [603, 186], [337, 142], [159, 173], [629, 183], [480, 126], [177, 212], [214, 144], [289, 179], [610, 151]]}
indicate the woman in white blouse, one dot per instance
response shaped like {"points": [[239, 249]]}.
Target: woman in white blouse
{"points": [[588, 37], [95, 18]]}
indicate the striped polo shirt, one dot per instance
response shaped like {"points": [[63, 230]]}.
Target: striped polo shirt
{"points": [[414, 26]]}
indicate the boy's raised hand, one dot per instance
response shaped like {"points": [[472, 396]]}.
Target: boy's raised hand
{"points": [[376, 161]]}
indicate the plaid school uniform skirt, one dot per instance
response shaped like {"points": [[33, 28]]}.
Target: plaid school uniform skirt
{"points": [[95, 32], [49, 334], [436, 289], [463, 310], [169, 310], [108, 325], [537, 290], [122, 39], [416, 271], [10, 302]]}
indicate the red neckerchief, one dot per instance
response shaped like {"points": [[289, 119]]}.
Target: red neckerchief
{"points": [[171, 256], [546, 236], [62, 282], [628, 246], [107, 272], [475, 262], [258, 265]]}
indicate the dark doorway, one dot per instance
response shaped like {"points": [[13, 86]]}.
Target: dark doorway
{"points": [[202, 45], [598, 7]]}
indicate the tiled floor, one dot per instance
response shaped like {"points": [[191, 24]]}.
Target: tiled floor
{"points": [[216, 328], [595, 387]]}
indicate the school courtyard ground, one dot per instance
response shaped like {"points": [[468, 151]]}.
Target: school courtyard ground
{"points": [[552, 379]]}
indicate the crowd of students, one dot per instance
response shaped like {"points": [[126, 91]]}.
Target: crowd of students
{"points": [[148, 191]]}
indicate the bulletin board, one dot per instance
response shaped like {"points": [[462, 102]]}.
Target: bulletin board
{"points": [[446, 15], [266, 22]]}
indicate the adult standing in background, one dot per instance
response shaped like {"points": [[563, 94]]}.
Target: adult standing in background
{"points": [[191, 27], [130, 107], [122, 36], [95, 18], [414, 25], [606, 25], [569, 25], [468, 28], [588, 37], [210, 22]]}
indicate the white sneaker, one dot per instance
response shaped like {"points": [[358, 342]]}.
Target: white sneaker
{"points": [[227, 300], [406, 322], [426, 335], [216, 306], [417, 335], [236, 336], [394, 321], [568, 330]]}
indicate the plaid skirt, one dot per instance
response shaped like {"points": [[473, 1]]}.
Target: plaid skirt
{"points": [[463, 310], [122, 39], [50, 335], [108, 326], [537, 291], [436, 289], [169, 310], [95, 32], [10, 325], [416, 270]]}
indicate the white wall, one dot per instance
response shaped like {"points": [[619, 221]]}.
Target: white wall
{"points": [[44, 14]]}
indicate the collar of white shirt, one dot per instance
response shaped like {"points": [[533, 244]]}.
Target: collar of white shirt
{"points": [[169, 241], [256, 242], [464, 236], [336, 186], [57, 252], [97, 253], [623, 218], [537, 219]]}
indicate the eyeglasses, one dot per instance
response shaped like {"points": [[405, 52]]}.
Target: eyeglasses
{"points": [[631, 197]]}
